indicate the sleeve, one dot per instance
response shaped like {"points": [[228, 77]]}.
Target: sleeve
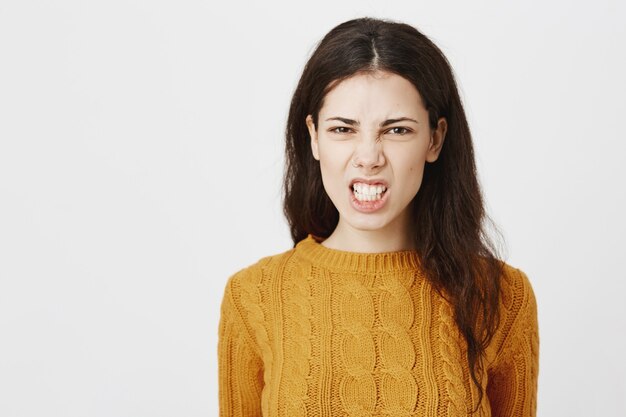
{"points": [[239, 366], [513, 377]]}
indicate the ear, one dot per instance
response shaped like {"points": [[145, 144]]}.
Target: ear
{"points": [[313, 133], [436, 140]]}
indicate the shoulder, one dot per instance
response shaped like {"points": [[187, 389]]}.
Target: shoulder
{"points": [[518, 313], [245, 296], [246, 288], [251, 277], [517, 290]]}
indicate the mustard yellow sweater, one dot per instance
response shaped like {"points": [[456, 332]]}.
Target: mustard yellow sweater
{"points": [[320, 332]]}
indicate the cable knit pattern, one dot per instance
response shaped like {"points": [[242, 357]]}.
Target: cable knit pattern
{"points": [[398, 389], [357, 387], [251, 304], [319, 332], [452, 370], [298, 301], [517, 355]]}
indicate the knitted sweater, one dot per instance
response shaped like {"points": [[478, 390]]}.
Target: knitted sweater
{"points": [[320, 332]]}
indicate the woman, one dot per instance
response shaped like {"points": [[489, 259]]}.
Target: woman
{"points": [[392, 301]]}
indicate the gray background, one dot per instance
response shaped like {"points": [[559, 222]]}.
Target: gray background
{"points": [[140, 163]]}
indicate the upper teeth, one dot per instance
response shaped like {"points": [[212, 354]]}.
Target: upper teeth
{"points": [[362, 188]]}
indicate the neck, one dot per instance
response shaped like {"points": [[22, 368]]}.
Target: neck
{"points": [[394, 237]]}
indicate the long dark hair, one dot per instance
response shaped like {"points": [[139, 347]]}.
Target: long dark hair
{"points": [[449, 219]]}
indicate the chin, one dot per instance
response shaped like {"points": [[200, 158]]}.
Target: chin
{"points": [[367, 224]]}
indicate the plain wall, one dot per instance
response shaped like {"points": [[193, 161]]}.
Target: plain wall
{"points": [[141, 155]]}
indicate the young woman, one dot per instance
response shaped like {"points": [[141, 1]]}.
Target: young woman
{"points": [[392, 301]]}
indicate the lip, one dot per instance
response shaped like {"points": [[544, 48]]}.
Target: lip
{"points": [[370, 181]]}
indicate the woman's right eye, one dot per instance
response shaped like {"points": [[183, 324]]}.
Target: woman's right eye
{"points": [[340, 129]]}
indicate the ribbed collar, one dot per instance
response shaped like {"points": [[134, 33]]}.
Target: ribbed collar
{"points": [[309, 248]]}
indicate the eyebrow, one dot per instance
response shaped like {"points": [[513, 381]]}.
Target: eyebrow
{"points": [[383, 124]]}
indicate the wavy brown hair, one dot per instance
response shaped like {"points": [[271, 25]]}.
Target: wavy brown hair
{"points": [[449, 219]]}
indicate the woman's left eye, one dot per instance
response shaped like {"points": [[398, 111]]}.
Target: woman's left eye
{"points": [[399, 130]]}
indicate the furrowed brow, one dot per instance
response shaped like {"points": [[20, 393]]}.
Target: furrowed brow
{"points": [[401, 119], [383, 124], [346, 121]]}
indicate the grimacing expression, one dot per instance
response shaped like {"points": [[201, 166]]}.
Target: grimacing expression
{"points": [[374, 126]]}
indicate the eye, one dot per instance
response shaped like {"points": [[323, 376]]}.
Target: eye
{"points": [[399, 130], [339, 129]]}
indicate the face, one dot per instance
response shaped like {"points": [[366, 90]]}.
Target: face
{"points": [[372, 142]]}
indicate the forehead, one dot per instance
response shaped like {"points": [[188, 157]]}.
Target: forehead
{"points": [[373, 94]]}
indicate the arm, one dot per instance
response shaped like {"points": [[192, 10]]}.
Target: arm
{"points": [[512, 386], [240, 368]]}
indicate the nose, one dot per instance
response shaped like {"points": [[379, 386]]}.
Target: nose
{"points": [[368, 154]]}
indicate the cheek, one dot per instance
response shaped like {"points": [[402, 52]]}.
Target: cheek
{"points": [[333, 158], [410, 171], [328, 164], [408, 160], [332, 169]]}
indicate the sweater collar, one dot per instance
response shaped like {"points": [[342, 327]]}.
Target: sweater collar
{"points": [[311, 249]]}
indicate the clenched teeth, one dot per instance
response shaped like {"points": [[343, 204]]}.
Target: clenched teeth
{"points": [[366, 192]]}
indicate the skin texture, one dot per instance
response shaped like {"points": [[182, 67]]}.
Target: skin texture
{"points": [[396, 153]]}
